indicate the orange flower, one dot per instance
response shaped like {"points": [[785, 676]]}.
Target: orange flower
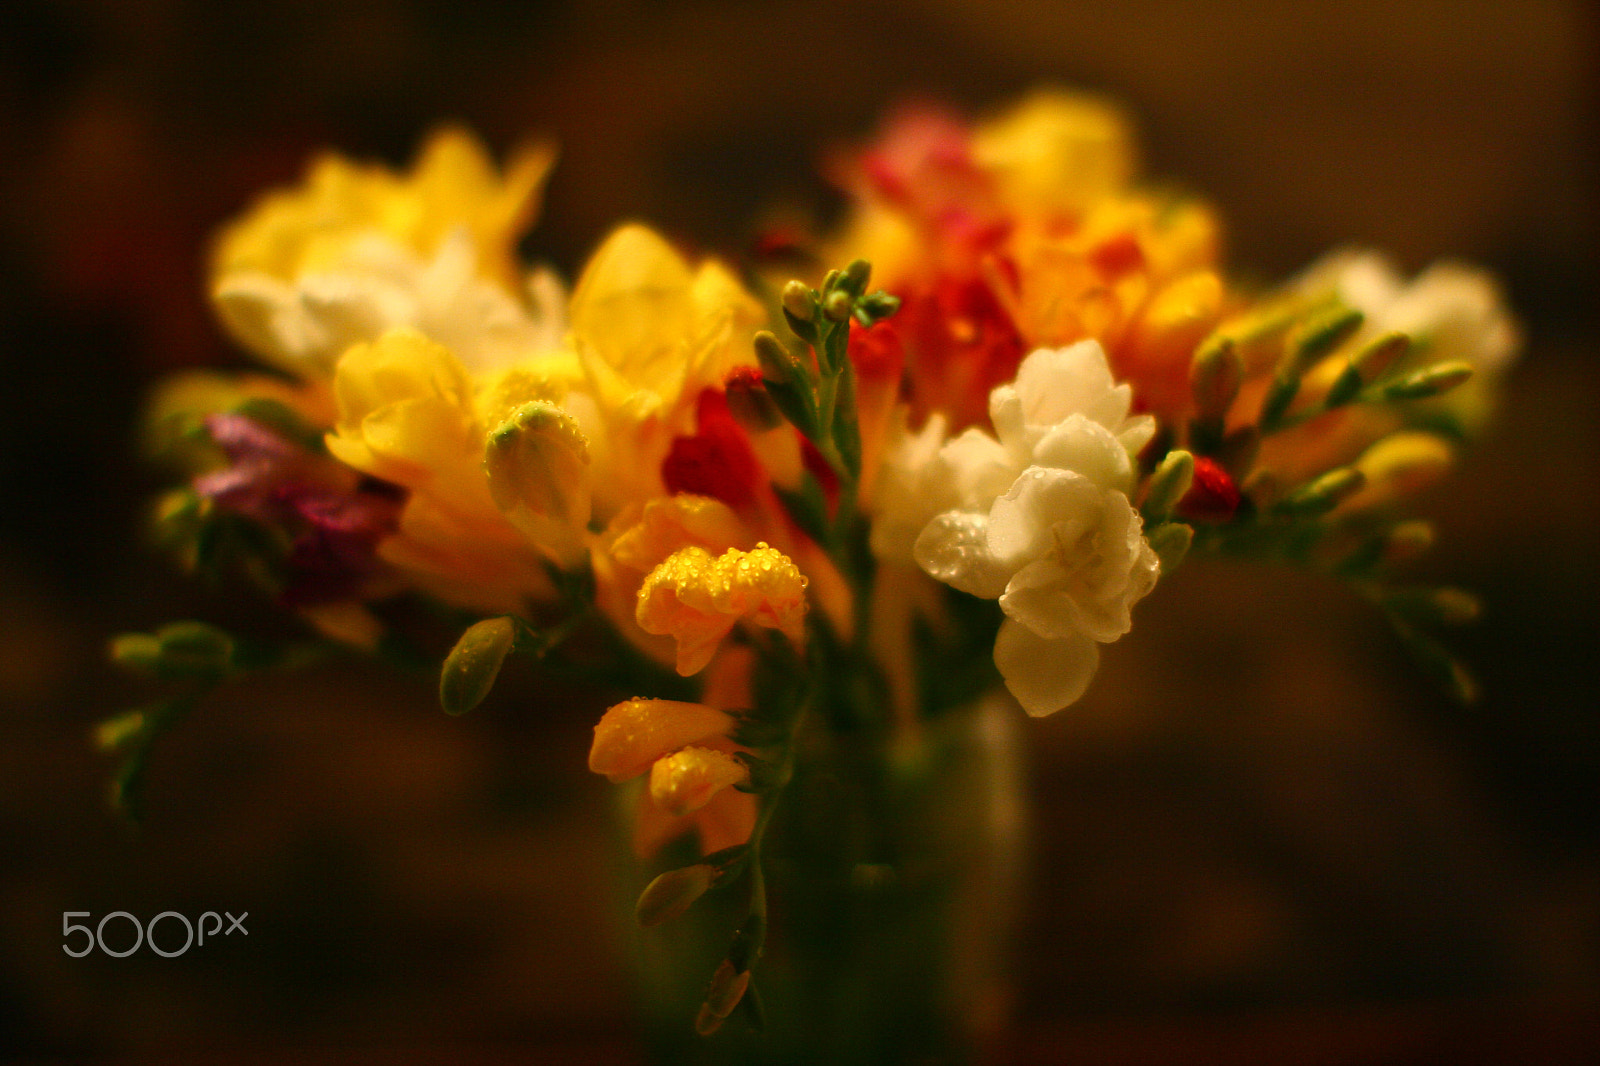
{"points": [[697, 599]]}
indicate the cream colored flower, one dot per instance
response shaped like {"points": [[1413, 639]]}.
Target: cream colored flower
{"points": [[1046, 525], [1064, 411], [1453, 312]]}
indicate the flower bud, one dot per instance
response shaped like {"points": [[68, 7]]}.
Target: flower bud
{"points": [[1402, 464], [537, 463], [876, 306], [1320, 334], [1215, 376], [179, 650], [855, 277], [1407, 541], [1457, 606], [1324, 493], [1168, 484], [1366, 366], [1315, 336], [113, 733], [1434, 381], [674, 892], [777, 364], [727, 989], [1170, 541], [749, 402], [474, 663], [799, 301], [1213, 495], [800, 310], [836, 305], [136, 651]]}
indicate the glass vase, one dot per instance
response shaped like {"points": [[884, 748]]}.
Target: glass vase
{"points": [[893, 869]]}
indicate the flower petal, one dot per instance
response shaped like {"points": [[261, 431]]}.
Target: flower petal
{"points": [[1044, 675], [954, 548]]}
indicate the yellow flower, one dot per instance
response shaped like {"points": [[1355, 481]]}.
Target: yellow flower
{"points": [[1056, 152], [453, 184], [407, 415], [357, 249], [651, 333], [696, 599]]}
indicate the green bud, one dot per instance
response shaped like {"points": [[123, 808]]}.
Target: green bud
{"points": [[1366, 366], [1315, 337], [1215, 376], [800, 310], [179, 650], [1434, 381], [113, 733], [800, 301], [728, 987], [1440, 606], [777, 363], [1324, 493], [1407, 541], [855, 277], [836, 306], [875, 307], [1168, 484], [674, 892], [1285, 387], [474, 663], [1320, 334], [137, 651], [1171, 541]]}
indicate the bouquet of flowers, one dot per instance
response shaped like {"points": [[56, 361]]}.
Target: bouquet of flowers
{"points": [[793, 524]]}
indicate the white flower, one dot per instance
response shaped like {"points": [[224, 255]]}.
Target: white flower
{"points": [[1457, 311], [1064, 410], [1044, 523], [306, 323]]}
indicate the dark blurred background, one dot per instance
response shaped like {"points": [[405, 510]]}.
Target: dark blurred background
{"points": [[1262, 838]]}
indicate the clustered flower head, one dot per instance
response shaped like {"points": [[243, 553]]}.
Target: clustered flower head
{"points": [[766, 499]]}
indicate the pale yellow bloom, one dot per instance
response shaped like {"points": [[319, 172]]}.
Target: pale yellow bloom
{"points": [[696, 599]]}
